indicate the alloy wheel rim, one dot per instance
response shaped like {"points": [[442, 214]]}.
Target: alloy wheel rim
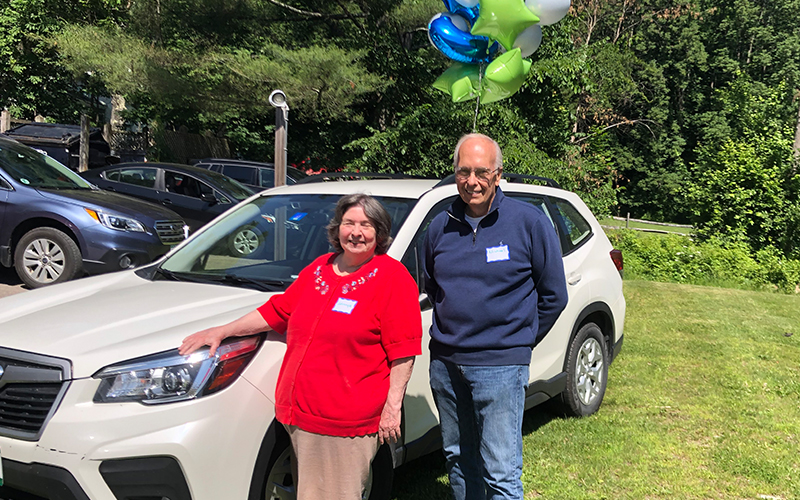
{"points": [[44, 260], [245, 242], [589, 371]]}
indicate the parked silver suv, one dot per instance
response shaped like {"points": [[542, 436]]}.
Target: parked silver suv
{"points": [[112, 411]]}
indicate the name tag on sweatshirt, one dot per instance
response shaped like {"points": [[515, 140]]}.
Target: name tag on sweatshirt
{"points": [[344, 305], [496, 254]]}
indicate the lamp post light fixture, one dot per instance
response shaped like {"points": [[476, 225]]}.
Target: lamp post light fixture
{"points": [[278, 99]]}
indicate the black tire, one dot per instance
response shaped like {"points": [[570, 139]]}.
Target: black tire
{"points": [[46, 256], [279, 481], [587, 372]]}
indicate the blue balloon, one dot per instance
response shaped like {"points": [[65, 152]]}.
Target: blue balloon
{"points": [[468, 13], [459, 45]]}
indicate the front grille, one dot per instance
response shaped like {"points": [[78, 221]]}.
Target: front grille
{"points": [[170, 232], [31, 386]]}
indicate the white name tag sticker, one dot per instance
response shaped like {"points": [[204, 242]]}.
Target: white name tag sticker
{"points": [[496, 254], [344, 305]]}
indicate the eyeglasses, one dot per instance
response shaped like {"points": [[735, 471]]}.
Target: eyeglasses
{"points": [[481, 173]]}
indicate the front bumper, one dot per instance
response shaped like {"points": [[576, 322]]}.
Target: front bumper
{"points": [[98, 449], [106, 250]]}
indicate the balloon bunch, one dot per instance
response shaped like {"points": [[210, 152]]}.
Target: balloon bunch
{"points": [[489, 41]]}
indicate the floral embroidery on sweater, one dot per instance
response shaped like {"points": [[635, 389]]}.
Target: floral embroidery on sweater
{"points": [[349, 287]]}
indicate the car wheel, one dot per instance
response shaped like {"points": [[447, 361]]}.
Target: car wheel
{"points": [[280, 483], [245, 241], [587, 372], [46, 256]]}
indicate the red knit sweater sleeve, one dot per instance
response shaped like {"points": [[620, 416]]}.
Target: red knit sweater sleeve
{"points": [[401, 321], [278, 308]]}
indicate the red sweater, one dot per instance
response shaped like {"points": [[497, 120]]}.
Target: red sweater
{"points": [[341, 334]]}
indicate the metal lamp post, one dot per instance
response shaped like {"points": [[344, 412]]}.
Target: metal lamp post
{"points": [[278, 99]]}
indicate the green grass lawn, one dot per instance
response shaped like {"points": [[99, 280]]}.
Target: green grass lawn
{"points": [[702, 403], [609, 222]]}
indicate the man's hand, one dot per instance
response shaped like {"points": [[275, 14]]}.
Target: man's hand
{"points": [[389, 428]]}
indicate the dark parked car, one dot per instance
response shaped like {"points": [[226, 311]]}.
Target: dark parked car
{"points": [[62, 143], [196, 194], [55, 225], [258, 176]]}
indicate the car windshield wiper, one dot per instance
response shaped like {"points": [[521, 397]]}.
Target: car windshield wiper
{"points": [[260, 284], [228, 279], [193, 278]]}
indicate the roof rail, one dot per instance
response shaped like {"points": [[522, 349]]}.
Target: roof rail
{"points": [[331, 176], [451, 179]]}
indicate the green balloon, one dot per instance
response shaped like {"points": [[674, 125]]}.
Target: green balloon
{"points": [[503, 20], [504, 76], [460, 81]]}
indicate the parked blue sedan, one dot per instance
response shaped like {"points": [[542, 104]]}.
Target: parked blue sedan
{"points": [[54, 226]]}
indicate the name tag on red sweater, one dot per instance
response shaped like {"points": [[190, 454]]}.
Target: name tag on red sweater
{"points": [[495, 254], [344, 305]]}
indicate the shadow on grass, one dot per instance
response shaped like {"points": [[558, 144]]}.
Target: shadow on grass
{"points": [[426, 477], [423, 479]]}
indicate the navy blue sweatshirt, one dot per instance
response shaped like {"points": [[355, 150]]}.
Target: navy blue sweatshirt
{"points": [[496, 292]]}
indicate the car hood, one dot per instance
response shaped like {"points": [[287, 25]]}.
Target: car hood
{"points": [[98, 321], [111, 202]]}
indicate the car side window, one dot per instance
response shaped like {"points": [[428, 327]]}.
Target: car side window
{"points": [[415, 253], [266, 177], [539, 202], [241, 174], [139, 176], [5, 185], [577, 229], [186, 185]]}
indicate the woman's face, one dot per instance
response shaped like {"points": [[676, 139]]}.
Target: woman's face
{"points": [[356, 233]]}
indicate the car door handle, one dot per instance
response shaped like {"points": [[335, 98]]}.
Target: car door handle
{"points": [[574, 279], [166, 201]]}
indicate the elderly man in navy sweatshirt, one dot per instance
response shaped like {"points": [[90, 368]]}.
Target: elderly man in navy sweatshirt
{"points": [[495, 276]]}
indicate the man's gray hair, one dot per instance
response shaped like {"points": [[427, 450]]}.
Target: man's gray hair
{"points": [[498, 153], [374, 211]]}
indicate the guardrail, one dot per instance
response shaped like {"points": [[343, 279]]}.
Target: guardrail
{"points": [[628, 220]]}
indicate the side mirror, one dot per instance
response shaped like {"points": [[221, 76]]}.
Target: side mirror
{"points": [[209, 198]]}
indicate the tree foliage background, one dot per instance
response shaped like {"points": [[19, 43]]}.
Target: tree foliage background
{"points": [[684, 111]]}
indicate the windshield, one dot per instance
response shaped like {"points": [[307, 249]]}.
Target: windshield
{"points": [[267, 241], [32, 168], [231, 186]]}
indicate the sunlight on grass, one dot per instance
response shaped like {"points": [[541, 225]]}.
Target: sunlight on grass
{"points": [[703, 402]]}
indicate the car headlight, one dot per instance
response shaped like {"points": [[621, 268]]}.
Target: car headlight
{"points": [[169, 377], [117, 222]]}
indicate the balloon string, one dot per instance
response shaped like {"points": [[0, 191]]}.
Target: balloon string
{"points": [[478, 100]]}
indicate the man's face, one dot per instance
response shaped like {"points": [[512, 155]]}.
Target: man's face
{"points": [[476, 177]]}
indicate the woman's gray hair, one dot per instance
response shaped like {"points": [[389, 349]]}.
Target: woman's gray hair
{"points": [[498, 153], [374, 211]]}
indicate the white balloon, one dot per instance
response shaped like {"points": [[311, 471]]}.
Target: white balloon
{"points": [[468, 3], [548, 11], [529, 40], [458, 21]]}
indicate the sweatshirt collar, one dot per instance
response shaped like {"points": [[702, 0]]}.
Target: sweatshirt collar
{"points": [[458, 208]]}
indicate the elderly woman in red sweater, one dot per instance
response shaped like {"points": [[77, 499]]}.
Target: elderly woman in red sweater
{"points": [[353, 326]]}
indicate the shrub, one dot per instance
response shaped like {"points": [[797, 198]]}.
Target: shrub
{"points": [[679, 259]]}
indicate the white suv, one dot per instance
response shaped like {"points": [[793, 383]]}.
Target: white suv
{"points": [[95, 402]]}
